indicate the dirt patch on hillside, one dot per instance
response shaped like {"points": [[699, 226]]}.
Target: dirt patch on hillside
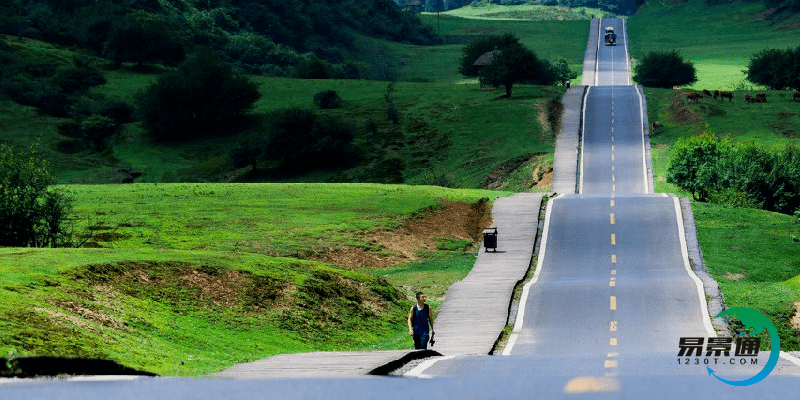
{"points": [[220, 289], [499, 175], [455, 220], [796, 317], [733, 277], [680, 113]]}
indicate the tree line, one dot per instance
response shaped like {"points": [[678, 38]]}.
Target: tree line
{"points": [[274, 37]]}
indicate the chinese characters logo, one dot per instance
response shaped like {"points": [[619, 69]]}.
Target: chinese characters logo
{"points": [[745, 346]]}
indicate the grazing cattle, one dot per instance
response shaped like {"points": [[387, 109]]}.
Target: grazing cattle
{"points": [[706, 93], [796, 96], [728, 95], [762, 97], [716, 94], [756, 99], [693, 97]]}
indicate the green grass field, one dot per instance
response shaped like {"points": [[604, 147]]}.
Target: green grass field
{"points": [[526, 12], [719, 40], [753, 257], [186, 279]]}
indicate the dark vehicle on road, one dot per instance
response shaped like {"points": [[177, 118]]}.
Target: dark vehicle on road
{"points": [[611, 37]]}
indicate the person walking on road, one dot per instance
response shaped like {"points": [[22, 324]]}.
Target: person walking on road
{"points": [[419, 317]]}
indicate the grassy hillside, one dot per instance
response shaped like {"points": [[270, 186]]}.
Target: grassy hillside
{"points": [[459, 116], [526, 12], [719, 39], [550, 40], [185, 279]]}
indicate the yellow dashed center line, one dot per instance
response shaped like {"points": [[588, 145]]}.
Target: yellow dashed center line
{"points": [[611, 363], [612, 218], [613, 239], [612, 341], [613, 258], [613, 303], [612, 203], [613, 327]]}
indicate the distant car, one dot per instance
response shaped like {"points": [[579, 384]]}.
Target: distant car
{"points": [[611, 37]]}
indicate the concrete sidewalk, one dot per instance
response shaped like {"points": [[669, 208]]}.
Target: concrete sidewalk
{"points": [[567, 150], [472, 316]]}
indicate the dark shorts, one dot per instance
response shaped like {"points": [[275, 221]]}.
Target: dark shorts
{"points": [[421, 340]]}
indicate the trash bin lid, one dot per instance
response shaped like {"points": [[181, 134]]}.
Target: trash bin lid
{"points": [[490, 231]]}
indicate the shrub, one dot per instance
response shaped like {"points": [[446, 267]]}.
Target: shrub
{"points": [[693, 165], [31, 214], [664, 70], [312, 67], [203, 92], [742, 175], [78, 77], [96, 129], [132, 40], [301, 140], [327, 99], [92, 104]]}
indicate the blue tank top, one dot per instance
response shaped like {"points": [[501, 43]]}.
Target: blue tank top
{"points": [[420, 320]]}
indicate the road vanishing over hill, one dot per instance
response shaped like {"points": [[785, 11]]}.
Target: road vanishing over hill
{"points": [[613, 293], [611, 297]]}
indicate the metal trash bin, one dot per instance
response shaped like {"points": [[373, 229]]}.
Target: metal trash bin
{"points": [[490, 239]]}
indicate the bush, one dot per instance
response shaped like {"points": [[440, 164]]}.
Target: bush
{"points": [[744, 175], [78, 77], [327, 99], [694, 164], [302, 140], [96, 129], [204, 92], [132, 40], [31, 214], [664, 70], [312, 67]]}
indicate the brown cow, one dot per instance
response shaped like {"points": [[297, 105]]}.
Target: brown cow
{"points": [[706, 93], [762, 97], [728, 95], [748, 99], [716, 94], [693, 97], [796, 96]]}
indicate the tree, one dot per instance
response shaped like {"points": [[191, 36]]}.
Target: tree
{"points": [[562, 71], [513, 63], [776, 69], [31, 213], [664, 70], [204, 92], [131, 40], [303, 140]]}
